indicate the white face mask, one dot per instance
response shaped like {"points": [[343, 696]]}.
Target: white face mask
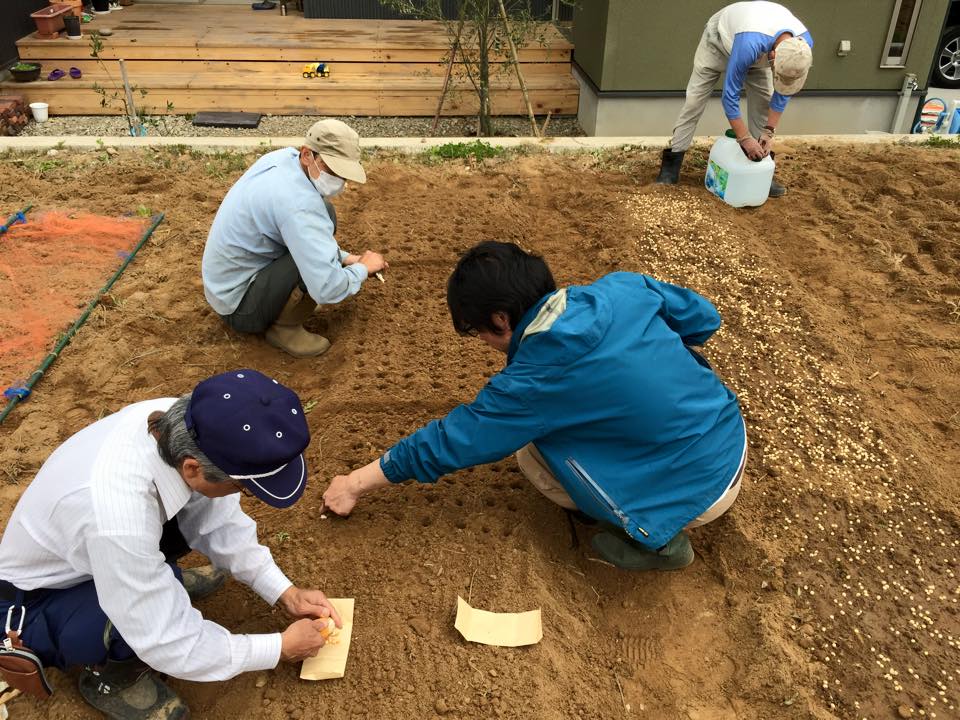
{"points": [[328, 185]]}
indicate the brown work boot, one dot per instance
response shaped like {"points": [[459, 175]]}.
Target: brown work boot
{"points": [[288, 333]]}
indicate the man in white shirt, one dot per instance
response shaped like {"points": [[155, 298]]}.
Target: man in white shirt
{"points": [[761, 45], [271, 256], [87, 560]]}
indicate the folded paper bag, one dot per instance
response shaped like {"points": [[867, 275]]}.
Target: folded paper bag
{"points": [[331, 661], [503, 629]]}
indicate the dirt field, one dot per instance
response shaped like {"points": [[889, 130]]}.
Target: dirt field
{"points": [[830, 589]]}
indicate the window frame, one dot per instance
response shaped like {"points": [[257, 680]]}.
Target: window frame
{"points": [[885, 59]]}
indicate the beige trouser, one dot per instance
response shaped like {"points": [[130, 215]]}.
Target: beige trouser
{"points": [[709, 62], [535, 468]]}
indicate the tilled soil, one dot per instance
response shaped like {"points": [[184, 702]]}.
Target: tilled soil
{"points": [[830, 589]]}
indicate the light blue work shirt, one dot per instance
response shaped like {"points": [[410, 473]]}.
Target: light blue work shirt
{"points": [[272, 209]]}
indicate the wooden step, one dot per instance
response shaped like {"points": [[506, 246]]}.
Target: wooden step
{"points": [[246, 80], [207, 57], [155, 32], [250, 71]]}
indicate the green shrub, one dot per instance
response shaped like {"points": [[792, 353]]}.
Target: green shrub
{"points": [[476, 149]]}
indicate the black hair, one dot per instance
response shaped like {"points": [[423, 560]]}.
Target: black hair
{"points": [[495, 277]]}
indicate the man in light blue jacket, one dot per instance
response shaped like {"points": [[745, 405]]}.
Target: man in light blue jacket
{"points": [[271, 256], [609, 408]]}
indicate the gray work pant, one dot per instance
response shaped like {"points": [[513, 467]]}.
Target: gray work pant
{"points": [[268, 293], [709, 62]]}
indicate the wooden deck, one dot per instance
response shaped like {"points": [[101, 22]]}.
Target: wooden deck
{"points": [[227, 57]]}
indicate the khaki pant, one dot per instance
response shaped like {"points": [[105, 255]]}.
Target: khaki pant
{"points": [[538, 473], [709, 62]]}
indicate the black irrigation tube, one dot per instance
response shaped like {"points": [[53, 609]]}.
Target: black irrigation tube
{"points": [[62, 343]]}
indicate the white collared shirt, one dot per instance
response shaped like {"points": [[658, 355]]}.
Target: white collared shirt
{"points": [[96, 510]]}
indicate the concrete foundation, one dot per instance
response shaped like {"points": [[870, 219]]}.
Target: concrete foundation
{"points": [[810, 114]]}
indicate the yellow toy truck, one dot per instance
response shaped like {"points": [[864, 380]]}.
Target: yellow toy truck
{"points": [[316, 69]]}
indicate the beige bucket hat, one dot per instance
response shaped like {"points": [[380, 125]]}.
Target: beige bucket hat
{"points": [[791, 63], [338, 145]]}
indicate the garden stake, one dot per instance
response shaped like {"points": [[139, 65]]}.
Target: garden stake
{"points": [[516, 65], [20, 393], [136, 128], [446, 80]]}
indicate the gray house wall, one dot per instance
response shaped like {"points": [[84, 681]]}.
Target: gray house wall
{"points": [[634, 58], [15, 23]]}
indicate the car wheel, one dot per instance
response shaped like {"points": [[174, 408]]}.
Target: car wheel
{"points": [[946, 70]]}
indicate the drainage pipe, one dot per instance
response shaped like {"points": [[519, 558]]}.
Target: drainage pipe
{"points": [[22, 392], [906, 92]]}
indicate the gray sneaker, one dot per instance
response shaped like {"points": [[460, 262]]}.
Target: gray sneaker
{"points": [[203, 581], [129, 690], [627, 554], [776, 189]]}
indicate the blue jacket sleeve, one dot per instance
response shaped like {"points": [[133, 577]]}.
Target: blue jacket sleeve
{"points": [[497, 423], [691, 316]]}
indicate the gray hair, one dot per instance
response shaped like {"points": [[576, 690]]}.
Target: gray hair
{"points": [[175, 442]]}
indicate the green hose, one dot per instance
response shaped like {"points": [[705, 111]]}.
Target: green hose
{"points": [[48, 360]]}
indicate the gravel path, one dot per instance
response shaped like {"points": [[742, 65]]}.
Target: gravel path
{"points": [[293, 125]]}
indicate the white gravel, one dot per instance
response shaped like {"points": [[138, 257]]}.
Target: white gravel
{"points": [[293, 125]]}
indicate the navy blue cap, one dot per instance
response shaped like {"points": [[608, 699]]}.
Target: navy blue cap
{"points": [[254, 429]]}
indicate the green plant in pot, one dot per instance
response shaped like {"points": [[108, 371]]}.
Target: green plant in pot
{"points": [[25, 71]]}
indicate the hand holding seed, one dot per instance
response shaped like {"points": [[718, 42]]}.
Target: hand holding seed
{"points": [[304, 603], [303, 639], [340, 496], [374, 262]]}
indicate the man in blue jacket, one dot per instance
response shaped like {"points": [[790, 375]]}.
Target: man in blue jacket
{"points": [[760, 44], [609, 409]]}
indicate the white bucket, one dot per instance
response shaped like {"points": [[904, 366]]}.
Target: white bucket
{"points": [[735, 178], [39, 111]]}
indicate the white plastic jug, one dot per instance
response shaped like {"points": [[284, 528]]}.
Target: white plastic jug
{"points": [[735, 178]]}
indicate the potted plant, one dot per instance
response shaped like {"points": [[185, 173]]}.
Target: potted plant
{"points": [[25, 71]]}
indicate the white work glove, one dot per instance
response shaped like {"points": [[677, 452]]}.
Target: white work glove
{"points": [[766, 141], [752, 149]]}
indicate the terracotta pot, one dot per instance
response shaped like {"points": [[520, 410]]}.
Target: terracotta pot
{"points": [[49, 20], [75, 5]]}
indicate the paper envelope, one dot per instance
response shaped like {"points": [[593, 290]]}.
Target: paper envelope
{"points": [[504, 629], [331, 661]]}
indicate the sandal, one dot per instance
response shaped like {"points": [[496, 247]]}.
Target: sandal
{"points": [[56, 74], [75, 73]]}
